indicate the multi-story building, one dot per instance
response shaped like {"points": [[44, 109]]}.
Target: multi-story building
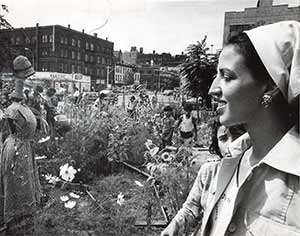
{"points": [[264, 13], [125, 74], [158, 78], [61, 49]]}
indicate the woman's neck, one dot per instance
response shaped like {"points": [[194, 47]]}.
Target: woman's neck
{"points": [[265, 131]]}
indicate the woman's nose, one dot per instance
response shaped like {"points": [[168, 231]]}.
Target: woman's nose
{"points": [[215, 89]]}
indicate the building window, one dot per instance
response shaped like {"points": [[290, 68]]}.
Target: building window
{"points": [[91, 58], [33, 39], [73, 42], [12, 40], [79, 69], [87, 46], [18, 40], [44, 38], [86, 57], [98, 71], [73, 68], [98, 59], [73, 55], [78, 56], [78, 43], [61, 52], [66, 53], [92, 47], [103, 60], [51, 38], [61, 67], [85, 70], [27, 40], [66, 40], [66, 68], [45, 52], [62, 40]]}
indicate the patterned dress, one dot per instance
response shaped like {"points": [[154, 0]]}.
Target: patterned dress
{"points": [[19, 183]]}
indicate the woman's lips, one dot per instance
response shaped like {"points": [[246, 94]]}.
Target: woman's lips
{"points": [[221, 107]]}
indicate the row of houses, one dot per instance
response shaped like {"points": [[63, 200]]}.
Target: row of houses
{"points": [[63, 50]]}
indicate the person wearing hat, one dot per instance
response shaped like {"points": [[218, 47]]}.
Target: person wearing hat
{"points": [[19, 185], [258, 86]]}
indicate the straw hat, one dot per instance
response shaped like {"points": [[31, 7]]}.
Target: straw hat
{"points": [[22, 67]]}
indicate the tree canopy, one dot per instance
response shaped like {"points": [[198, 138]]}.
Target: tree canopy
{"points": [[198, 70]]}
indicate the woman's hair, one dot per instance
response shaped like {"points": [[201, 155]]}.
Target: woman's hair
{"points": [[235, 132], [243, 45]]}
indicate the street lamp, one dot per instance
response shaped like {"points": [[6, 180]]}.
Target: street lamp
{"points": [[32, 55]]}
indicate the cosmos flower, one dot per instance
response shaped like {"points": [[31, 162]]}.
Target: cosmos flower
{"points": [[165, 156], [64, 198], [138, 183], [74, 195], [70, 204], [43, 140], [120, 199], [67, 172], [51, 179]]}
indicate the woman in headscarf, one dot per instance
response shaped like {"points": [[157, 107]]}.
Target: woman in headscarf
{"points": [[19, 185], [258, 85]]}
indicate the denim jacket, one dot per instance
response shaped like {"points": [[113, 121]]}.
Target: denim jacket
{"points": [[268, 203]]}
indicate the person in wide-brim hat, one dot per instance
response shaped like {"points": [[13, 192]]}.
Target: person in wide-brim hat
{"points": [[22, 70]]}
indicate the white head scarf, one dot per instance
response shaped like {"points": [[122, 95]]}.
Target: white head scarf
{"points": [[278, 46]]}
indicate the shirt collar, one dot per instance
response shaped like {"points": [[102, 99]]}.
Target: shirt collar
{"points": [[284, 156]]}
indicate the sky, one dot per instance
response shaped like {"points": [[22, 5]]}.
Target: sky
{"points": [[160, 25]]}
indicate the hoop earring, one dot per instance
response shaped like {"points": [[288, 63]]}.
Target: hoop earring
{"points": [[267, 100]]}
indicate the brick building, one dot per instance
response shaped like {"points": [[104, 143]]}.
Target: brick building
{"points": [[264, 13], [61, 49]]}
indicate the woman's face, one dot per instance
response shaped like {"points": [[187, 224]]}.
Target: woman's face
{"points": [[234, 89], [224, 139]]}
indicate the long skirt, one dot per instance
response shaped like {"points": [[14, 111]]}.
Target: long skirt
{"points": [[19, 188]]}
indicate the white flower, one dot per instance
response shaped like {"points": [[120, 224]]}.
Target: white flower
{"points": [[64, 198], [67, 172], [40, 157], [51, 179], [166, 157], [70, 204], [120, 199], [138, 183], [43, 140], [74, 195]]}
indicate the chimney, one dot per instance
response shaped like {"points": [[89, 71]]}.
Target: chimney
{"points": [[106, 38], [82, 30], [96, 35], [37, 24], [69, 26], [141, 50], [153, 52]]}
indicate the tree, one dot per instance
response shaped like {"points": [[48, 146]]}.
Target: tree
{"points": [[198, 70], [6, 51]]}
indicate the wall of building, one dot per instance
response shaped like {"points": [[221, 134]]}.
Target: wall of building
{"points": [[62, 49], [264, 13]]}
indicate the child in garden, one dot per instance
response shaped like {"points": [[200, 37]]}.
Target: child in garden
{"points": [[168, 127], [187, 124]]}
